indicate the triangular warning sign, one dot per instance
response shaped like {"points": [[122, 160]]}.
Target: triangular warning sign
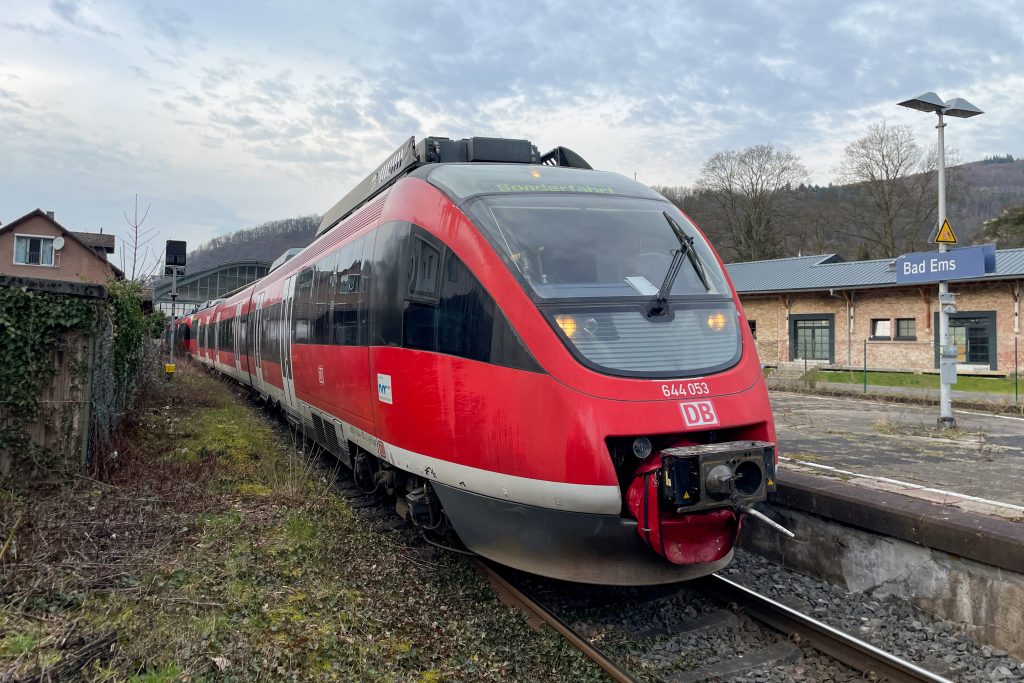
{"points": [[771, 483], [686, 495], [944, 235]]}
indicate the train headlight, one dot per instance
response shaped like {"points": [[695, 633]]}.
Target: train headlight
{"points": [[716, 321], [642, 447], [567, 323]]}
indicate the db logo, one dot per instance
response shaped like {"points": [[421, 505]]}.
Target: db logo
{"points": [[699, 413]]}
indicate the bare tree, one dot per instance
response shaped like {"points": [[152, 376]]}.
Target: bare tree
{"points": [[136, 239], [747, 194], [815, 224], [892, 202]]}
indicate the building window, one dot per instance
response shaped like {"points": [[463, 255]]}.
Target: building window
{"points": [[753, 328], [811, 338], [906, 328], [33, 251], [881, 328]]}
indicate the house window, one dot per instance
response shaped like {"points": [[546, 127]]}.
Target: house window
{"points": [[753, 328], [906, 328], [33, 251], [881, 328]]}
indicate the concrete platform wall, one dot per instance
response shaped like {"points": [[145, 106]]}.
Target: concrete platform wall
{"points": [[987, 600]]}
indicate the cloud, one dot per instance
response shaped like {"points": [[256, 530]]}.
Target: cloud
{"points": [[302, 104], [38, 31], [80, 15], [170, 23]]}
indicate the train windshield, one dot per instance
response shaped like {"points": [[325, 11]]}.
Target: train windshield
{"points": [[581, 246], [625, 280]]}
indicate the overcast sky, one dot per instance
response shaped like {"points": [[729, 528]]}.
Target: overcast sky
{"points": [[224, 117]]}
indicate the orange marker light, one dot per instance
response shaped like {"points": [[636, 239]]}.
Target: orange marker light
{"points": [[567, 323], [535, 173], [716, 321]]}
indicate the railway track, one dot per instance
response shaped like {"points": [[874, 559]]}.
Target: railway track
{"points": [[800, 633]]}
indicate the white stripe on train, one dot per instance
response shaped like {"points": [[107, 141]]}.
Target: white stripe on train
{"points": [[589, 498]]}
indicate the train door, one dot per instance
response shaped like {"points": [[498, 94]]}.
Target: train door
{"points": [[216, 340], [238, 349], [287, 371], [256, 373]]}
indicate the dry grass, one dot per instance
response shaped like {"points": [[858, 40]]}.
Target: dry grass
{"points": [[212, 546]]}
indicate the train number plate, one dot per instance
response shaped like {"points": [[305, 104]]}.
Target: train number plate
{"points": [[699, 413], [685, 389]]}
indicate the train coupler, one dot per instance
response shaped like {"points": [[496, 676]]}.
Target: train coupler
{"points": [[732, 473]]}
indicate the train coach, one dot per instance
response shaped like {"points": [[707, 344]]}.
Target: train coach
{"points": [[547, 359]]}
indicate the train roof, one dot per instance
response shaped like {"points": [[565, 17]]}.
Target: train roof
{"points": [[438, 150]]}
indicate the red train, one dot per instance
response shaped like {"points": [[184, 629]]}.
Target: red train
{"points": [[548, 359]]}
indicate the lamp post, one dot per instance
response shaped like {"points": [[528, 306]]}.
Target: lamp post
{"points": [[962, 109]]}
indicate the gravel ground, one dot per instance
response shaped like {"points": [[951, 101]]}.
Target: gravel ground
{"points": [[660, 634], [887, 623]]}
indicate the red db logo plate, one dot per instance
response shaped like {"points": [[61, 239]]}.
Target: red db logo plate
{"points": [[699, 413]]}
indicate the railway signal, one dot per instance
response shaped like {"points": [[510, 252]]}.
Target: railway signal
{"points": [[174, 265]]}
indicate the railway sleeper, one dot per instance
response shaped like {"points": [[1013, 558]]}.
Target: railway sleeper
{"points": [[776, 654], [713, 621]]}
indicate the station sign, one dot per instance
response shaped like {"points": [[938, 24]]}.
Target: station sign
{"points": [[957, 264]]}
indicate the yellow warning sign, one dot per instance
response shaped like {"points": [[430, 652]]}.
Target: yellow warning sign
{"points": [[945, 234], [686, 495], [771, 483]]}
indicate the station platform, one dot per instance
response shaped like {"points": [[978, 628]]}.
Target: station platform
{"points": [[970, 400], [897, 448]]}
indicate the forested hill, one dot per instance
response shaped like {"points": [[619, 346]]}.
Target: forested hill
{"points": [[846, 219], [265, 242], [814, 218]]}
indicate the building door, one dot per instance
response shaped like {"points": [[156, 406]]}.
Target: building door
{"points": [[974, 336], [811, 337]]}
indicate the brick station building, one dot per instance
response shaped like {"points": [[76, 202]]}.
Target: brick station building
{"points": [[823, 309]]}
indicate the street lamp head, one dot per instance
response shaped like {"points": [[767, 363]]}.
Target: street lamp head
{"points": [[961, 108], [929, 102]]}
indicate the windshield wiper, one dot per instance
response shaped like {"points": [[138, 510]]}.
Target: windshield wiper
{"points": [[685, 250]]}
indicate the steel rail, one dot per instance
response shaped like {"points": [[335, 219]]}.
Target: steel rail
{"points": [[851, 651], [536, 612]]}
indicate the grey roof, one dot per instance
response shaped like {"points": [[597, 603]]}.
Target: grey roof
{"points": [[162, 286], [829, 271], [96, 240]]}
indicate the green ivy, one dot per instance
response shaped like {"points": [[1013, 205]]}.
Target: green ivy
{"points": [[32, 324], [130, 331]]}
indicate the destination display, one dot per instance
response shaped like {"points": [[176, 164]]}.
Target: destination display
{"points": [[956, 264]]}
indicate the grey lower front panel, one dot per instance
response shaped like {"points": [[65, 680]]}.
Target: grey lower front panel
{"points": [[573, 546]]}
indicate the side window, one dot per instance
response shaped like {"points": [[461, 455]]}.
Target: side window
{"points": [[472, 326], [424, 267], [320, 309], [420, 317], [345, 318], [302, 307], [466, 315], [387, 284], [243, 333]]}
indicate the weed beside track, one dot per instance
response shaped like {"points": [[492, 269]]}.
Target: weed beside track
{"points": [[208, 545]]}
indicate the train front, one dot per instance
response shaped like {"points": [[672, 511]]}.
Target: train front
{"points": [[659, 388]]}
